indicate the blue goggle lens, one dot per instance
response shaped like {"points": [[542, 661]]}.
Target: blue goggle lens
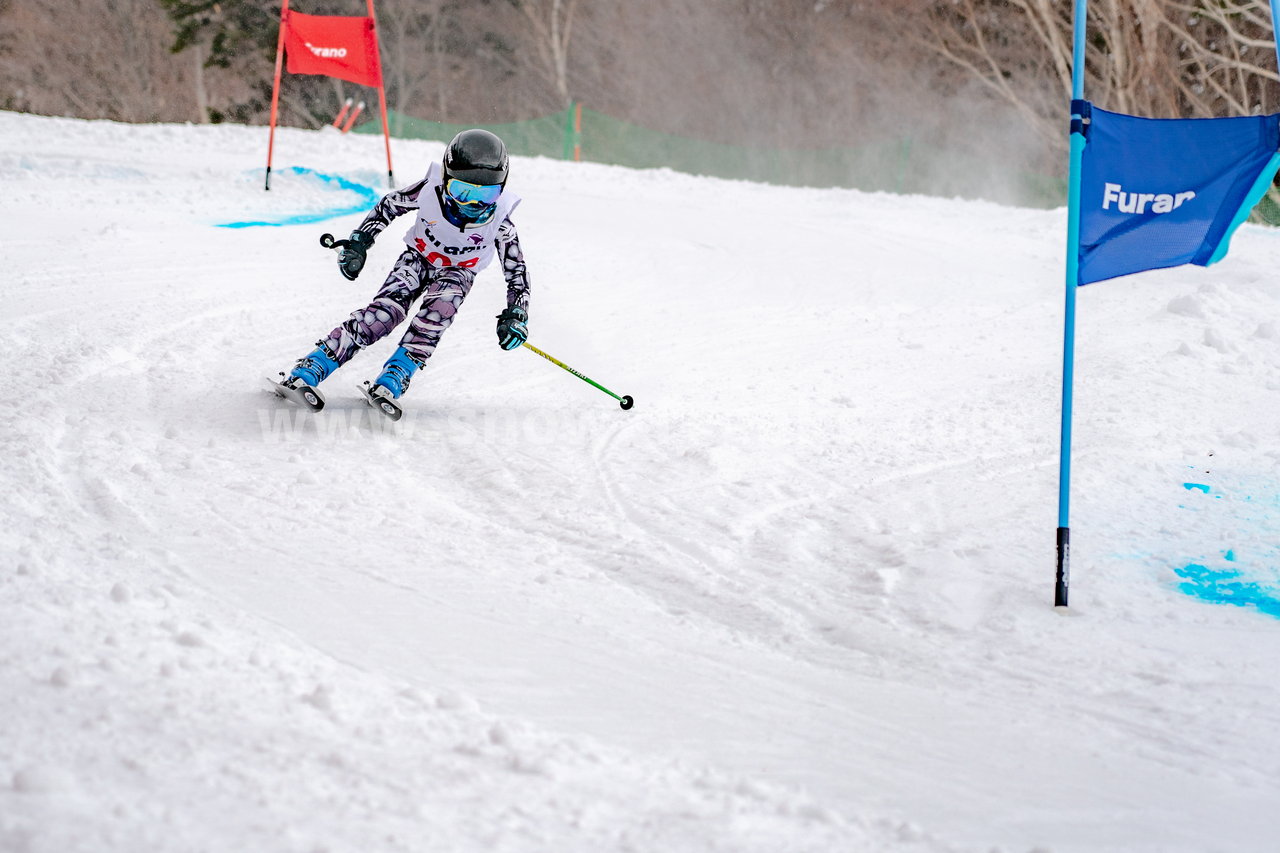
{"points": [[472, 195]]}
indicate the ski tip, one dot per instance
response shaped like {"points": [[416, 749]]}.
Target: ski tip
{"points": [[304, 395]]}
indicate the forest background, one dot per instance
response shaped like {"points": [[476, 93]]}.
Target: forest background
{"points": [[981, 85]]}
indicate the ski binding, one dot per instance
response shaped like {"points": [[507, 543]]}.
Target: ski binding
{"points": [[300, 393], [373, 395]]}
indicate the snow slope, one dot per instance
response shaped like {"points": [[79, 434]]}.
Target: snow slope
{"points": [[798, 599]]}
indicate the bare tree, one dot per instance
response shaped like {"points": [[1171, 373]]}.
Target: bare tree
{"points": [[1227, 52], [93, 59], [1159, 58], [403, 27], [1195, 58], [551, 23]]}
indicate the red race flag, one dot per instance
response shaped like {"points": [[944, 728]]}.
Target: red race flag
{"points": [[340, 47]]}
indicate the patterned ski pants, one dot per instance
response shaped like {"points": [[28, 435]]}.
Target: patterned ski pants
{"points": [[445, 289]]}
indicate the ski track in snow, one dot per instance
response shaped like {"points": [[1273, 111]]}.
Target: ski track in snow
{"points": [[798, 599]]}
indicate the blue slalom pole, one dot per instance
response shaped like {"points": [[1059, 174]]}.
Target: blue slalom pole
{"points": [[1079, 115], [1275, 29]]}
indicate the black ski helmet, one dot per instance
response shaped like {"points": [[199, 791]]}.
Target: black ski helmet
{"points": [[477, 157]]}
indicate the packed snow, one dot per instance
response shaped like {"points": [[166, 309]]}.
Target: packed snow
{"points": [[798, 599]]}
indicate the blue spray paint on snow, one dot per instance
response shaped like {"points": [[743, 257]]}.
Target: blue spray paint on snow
{"points": [[1223, 586], [367, 198], [1228, 585]]}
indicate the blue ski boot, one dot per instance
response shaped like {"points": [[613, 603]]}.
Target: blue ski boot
{"points": [[300, 385], [393, 382], [313, 368], [397, 372]]}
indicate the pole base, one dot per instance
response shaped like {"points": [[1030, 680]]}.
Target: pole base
{"points": [[1064, 568]]}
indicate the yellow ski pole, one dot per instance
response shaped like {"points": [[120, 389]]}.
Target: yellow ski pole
{"points": [[625, 401]]}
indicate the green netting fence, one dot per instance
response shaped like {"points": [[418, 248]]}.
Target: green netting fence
{"points": [[539, 137], [898, 165]]}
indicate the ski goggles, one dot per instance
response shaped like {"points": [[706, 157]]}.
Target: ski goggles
{"points": [[470, 195]]}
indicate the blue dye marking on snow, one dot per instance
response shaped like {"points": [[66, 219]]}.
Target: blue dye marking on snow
{"points": [[1253, 584], [368, 197], [1223, 586]]}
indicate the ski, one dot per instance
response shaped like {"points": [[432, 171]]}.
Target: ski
{"points": [[303, 395], [386, 405]]}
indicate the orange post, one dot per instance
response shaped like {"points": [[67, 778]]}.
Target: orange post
{"points": [[577, 132], [382, 97], [351, 119], [275, 89], [342, 113]]}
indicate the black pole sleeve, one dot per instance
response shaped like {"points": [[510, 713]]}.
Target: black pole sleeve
{"points": [[1064, 567]]}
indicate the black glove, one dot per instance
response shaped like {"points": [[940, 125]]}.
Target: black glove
{"points": [[512, 331], [351, 258]]}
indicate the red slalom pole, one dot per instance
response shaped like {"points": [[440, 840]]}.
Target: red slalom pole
{"points": [[275, 89], [382, 96]]}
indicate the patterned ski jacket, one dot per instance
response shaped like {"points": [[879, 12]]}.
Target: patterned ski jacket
{"points": [[444, 244]]}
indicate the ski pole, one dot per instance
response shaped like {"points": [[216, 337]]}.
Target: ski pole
{"points": [[328, 242], [625, 402]]}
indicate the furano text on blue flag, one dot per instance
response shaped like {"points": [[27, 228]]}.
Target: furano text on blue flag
{"points": [[1137, 202], [1159, 193]]}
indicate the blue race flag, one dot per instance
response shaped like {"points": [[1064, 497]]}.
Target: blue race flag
{"points": [[1158, 193]]}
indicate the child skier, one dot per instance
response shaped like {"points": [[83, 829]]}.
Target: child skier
{"points": [[463, 222]]}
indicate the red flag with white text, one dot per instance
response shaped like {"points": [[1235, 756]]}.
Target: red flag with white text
{"points": [[335, 46]]}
